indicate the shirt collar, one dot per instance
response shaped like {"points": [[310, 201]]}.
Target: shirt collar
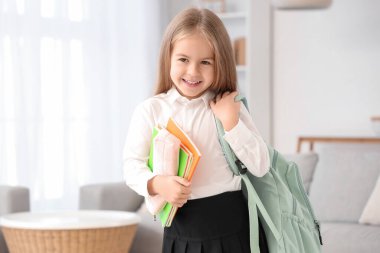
{"points": [[175, 96]]}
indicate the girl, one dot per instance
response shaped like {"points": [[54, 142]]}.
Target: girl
{"points": [[197, 79]]}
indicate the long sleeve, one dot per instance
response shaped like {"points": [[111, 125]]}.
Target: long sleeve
{"points": [[248, 145], [195, 117], [136, 151]]}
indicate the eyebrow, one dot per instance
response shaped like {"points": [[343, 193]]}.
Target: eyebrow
{"points": [[183, 55]]}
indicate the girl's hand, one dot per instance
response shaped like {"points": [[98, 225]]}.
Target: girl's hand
{"points": [[226, 109], [175, 190]]}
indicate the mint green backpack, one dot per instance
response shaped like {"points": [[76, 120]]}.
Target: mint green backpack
{"points": [[279, 200]]}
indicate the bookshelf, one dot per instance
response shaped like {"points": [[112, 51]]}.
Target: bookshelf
{"points": [[234, 18], [252, 19]]}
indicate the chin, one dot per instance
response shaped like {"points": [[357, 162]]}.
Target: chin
{"points": [[191, 95]]}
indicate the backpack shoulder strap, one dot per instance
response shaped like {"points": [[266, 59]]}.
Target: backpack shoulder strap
{"points": [[254, 201], [243, 100]]}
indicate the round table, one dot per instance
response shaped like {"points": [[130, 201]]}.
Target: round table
{"points": [[91, 231]]}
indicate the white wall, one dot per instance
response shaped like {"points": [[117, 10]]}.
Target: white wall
{"points": [[326, 75]]}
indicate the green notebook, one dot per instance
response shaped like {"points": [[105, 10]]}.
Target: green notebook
{"points": [[185, 158]]}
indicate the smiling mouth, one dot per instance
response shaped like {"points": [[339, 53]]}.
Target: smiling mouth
{"points": [[191, 83]]}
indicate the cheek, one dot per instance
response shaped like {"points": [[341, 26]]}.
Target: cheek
{"points": [[210, 73], [175, 71], [172, 73]]}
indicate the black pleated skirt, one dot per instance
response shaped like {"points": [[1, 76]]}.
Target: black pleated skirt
{"points": [[216, 224]]}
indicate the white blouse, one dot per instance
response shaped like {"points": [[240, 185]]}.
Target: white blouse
{"points": [[212, 175]]}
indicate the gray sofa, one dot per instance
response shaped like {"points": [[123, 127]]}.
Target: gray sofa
{"points": [[12, 199], [339, 181], [343, 181], [117, 196]]}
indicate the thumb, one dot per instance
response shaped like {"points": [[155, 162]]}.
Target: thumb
{"points": [[234, 95], [183, 181]]}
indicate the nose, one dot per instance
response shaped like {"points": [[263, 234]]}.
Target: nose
{"points": [[193, 69]]}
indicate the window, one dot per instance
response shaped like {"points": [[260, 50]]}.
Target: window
{"points": [[43, 105]]}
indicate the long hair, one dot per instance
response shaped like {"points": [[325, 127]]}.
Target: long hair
{"points": [[207, 23]]}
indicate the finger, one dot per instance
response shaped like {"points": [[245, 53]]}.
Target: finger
{"points": [[235, 93], [225, 94], [182, 181], [230, 94], [218, 97], [181, 193], [181, 199], [178, 198], [180, 203], [186, 191]]}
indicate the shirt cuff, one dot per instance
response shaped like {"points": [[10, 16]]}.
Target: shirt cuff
{"points": [[142, 186]]}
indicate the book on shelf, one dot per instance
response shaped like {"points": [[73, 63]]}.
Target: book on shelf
{"points": [[187, 159]]}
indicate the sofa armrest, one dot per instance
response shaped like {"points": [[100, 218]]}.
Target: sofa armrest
{"points": [[109, 196], [307, 163], [14, 199]]}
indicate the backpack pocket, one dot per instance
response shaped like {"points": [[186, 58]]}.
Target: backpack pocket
{"points": [[298, 236]]}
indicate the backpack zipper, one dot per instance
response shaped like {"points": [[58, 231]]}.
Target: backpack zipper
{"points": [[319, 231], [308, 205]]}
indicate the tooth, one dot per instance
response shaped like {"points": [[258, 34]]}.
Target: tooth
{"points": [[192, 82]]}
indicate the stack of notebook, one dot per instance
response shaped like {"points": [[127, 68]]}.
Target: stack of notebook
{"points": [[187, 160]]}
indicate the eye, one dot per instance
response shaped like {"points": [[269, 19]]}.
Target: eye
{"points": [[183, 60], [206, 62]]}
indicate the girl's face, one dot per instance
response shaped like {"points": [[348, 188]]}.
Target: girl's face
{"points": [[192, 65]]}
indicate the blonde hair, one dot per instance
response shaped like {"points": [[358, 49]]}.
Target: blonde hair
{"points": [[207, 23]]}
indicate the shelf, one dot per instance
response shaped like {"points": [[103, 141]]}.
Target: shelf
{"points": [[232, 15]]}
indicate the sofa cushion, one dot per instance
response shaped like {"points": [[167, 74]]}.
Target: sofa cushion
{"points": [[109, 196], [371, 212], [14, 199], [149, 235], [343, 181], [306, 163], [350, 238]]}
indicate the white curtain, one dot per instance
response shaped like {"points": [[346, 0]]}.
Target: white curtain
{"points": [[71, 72]]}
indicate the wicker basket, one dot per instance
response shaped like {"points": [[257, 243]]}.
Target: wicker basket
{"points": [[94, 240]]}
